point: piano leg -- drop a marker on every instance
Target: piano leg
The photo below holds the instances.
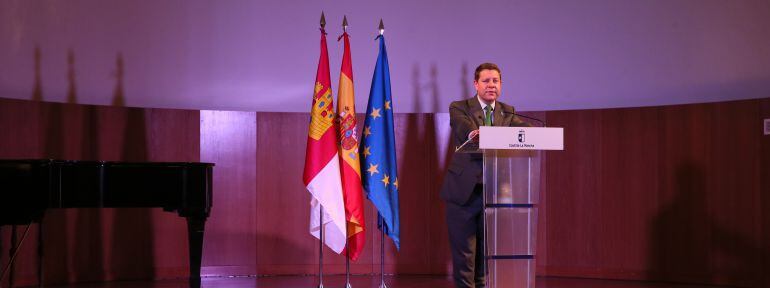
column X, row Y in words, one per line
column 40, row 254
column 11, row 254
column 195, row 226
column 1, row 257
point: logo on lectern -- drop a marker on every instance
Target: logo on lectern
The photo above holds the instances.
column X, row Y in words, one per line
column 521, row 136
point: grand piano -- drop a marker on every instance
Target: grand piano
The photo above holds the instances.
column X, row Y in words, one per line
column 30, row 187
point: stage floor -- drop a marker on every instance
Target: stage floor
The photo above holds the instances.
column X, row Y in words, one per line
column 338, row 281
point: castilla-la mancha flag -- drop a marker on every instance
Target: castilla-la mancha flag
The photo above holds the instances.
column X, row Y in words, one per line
column 349, row 163
column 322, row 164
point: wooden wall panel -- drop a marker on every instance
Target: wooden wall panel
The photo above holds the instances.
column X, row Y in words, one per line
column 736, row 247
column 664, row 193
column 284, row 245
column 678, row 231
column 674, row 193
column 765, row 195
column 628, row 162
column 575, row 221
column 420, row 217
column 20, row 129
column 228, row 139
column 439, row 132
column 707, row 188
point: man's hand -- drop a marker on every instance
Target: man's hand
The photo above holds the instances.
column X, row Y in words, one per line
column 474, row 134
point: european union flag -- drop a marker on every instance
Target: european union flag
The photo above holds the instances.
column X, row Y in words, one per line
column 378, row 151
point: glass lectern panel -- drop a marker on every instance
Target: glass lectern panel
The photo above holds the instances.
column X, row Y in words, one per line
column 511, row 189
column 511, row 273
column 511, row 231
column 512, row 176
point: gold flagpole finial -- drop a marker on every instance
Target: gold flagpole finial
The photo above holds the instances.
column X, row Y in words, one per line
column 323, row 20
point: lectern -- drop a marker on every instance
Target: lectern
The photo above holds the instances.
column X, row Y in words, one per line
column 511, row 192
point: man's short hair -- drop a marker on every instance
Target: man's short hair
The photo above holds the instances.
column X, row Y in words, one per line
column 486, row 66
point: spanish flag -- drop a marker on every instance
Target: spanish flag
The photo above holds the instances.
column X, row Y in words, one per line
column 322, row 164
column 349, row 162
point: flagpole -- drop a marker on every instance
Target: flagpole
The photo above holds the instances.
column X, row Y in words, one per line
column 382, row 251
column 347, row 239
column 321, row 252
column 381, row 29
column 347, row 266
column 347, row 249
column 321, row 218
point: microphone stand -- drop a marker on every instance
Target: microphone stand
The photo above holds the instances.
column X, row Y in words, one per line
column 466, row 142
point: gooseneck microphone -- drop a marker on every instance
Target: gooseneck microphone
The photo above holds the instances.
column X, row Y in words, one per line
column 542, row 123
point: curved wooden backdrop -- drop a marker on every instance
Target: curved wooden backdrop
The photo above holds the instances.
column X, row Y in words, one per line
column 675, row 193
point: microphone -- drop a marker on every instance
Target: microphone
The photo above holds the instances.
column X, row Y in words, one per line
column 531, row 118
column 542, row 123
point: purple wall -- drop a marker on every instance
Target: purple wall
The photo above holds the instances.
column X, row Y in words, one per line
column 262, row 55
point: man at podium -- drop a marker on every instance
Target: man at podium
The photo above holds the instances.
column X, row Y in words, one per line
column 462, row 188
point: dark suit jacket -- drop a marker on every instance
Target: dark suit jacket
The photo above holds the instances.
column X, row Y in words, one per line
column 465, row 170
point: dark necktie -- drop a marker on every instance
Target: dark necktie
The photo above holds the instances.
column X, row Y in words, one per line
column 488, row 115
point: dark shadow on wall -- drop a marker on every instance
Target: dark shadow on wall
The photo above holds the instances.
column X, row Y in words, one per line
column 69, row 136
column 56, row 253
column 465, row 92
column 689, row 246
column 88, row 252
column 411, row 172
column 441, row 257
column 72, row 90
column 421, row 161
column 679, row 237
column 132, row 246
column 742, row 258
column 466, row 77
column 118, row 97
column 440, row 161
column 37, row 86
column 73, row 249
